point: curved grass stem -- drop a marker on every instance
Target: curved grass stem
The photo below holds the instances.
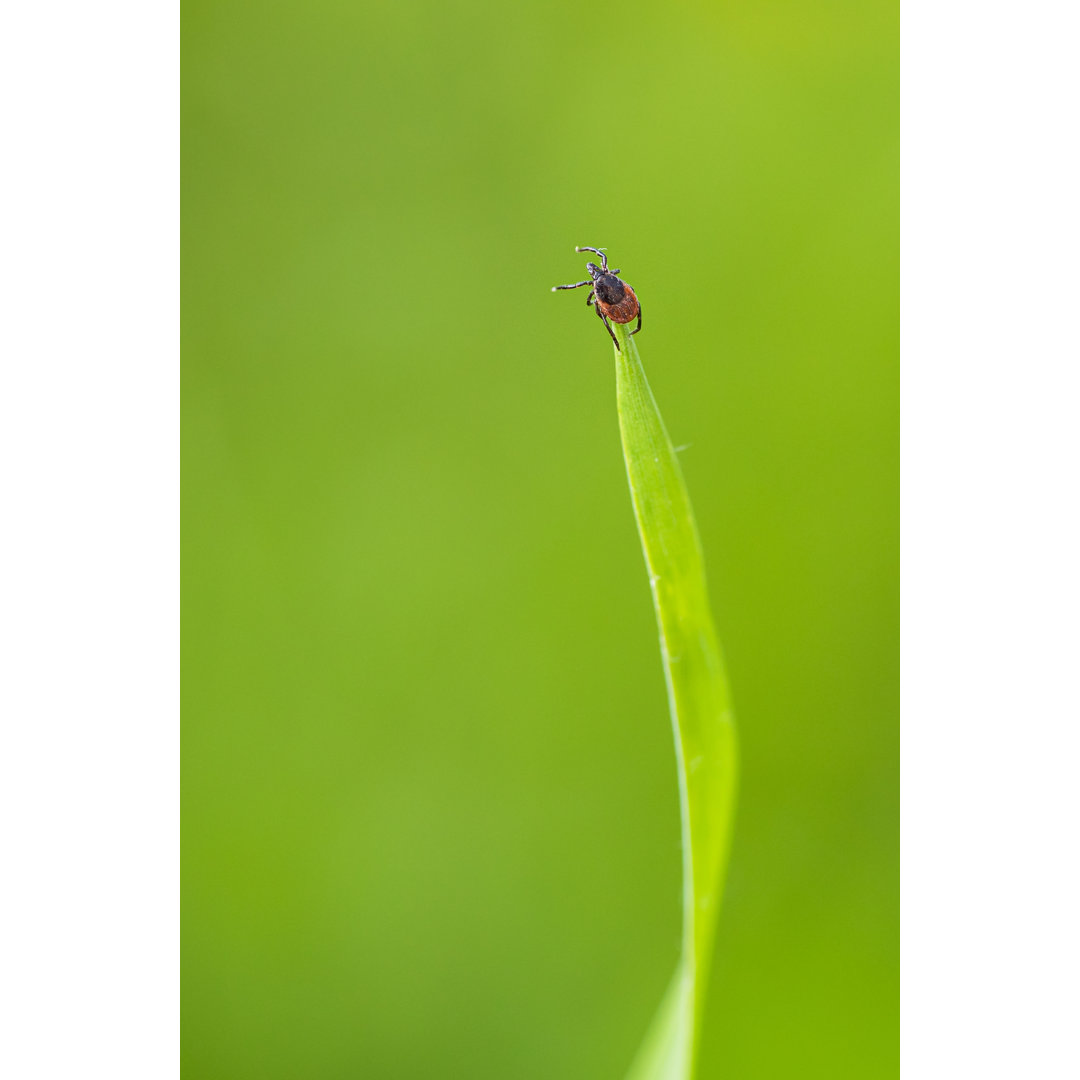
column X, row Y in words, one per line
column 700, row 705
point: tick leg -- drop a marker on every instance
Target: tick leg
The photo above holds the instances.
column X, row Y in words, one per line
column 638, row 330
column 607, row 326
column 589, row 298
column 599, row 251
column 556, row 288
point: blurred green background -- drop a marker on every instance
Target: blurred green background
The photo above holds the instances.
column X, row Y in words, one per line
column 430, row 816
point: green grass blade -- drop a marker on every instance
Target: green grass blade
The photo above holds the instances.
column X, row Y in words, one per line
column 700, row 705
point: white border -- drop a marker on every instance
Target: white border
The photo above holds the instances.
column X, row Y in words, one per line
column 991, row 757
column 89, row 597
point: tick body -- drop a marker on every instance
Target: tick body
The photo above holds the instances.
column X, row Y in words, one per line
column 614, row 300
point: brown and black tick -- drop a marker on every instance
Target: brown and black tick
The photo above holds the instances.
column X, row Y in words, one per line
column 615, row 300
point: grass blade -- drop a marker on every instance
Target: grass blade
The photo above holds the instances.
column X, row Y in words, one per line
column 700, row 704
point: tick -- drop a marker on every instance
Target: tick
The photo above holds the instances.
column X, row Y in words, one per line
column 615, row 300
